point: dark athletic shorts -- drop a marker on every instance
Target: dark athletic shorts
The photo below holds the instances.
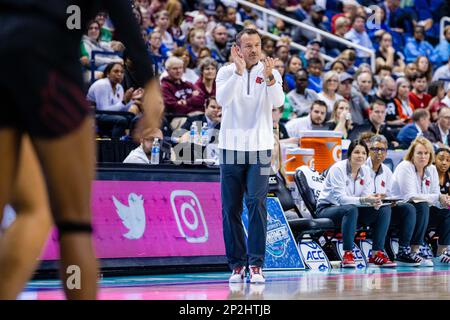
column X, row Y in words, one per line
column 37, row 98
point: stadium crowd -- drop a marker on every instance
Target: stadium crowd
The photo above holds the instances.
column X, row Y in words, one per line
column 406, row 98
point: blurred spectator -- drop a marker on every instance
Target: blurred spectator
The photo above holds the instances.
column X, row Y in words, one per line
column 175, row 10
column 358, row 35
column 203, row 53
column 162, row 23
column 220, row 48
column 404, row 106
column 268, row 46
column 424, row 66
column 410, row 69
column 383, row 71
column 365, row 85
column 341, row 119
column 417, row 45
column 419, row 97
column 332, row 47
column 338, row 66
column 282, row 51
column 302, row 10
column 158, row 54
column 156, row 5
column 105, row 33
column 107, row 94
column 421, row 122
column 312, row 52
column 293, row 65
column 188, row 73
column 387, row 55
column 196, row 40
column 437, row 91
column 315, row 67
column 180, row 97
column 376, row 124
column 386, row 93
column 206, row 84
column 316, row 19
column 212, row 117
column 441, row 53
column 231, row 25
column 348, row 10
column 329, row 93
column 315, row 120
column 200, row 22
column 398, row 19
column 443, row 73
column 301, row 98
column 358, row 105
column 348, row 56
column 438, row 132
column 143, row 153
column 90, row 43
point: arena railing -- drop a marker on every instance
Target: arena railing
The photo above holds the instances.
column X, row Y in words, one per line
column 443, row 22
column 267, row 12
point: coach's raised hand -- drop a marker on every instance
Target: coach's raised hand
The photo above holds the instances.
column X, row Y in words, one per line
column 238, row 60
column 269, row 64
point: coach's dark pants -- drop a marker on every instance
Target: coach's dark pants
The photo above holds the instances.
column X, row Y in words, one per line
column 244, row 173
column 348, row 215
column 431, row 216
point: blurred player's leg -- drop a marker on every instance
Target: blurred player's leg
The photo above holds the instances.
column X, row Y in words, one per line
column 21, row 244
column 69, row 165
column 9, row 149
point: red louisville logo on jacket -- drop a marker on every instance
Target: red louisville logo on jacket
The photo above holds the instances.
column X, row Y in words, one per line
column 259, row 80
column 382, row 183
column 361, row 182
column 427, row 183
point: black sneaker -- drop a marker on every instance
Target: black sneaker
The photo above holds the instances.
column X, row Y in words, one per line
column 408, row 258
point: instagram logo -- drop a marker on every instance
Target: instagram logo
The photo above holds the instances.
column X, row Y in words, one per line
column 189, row 215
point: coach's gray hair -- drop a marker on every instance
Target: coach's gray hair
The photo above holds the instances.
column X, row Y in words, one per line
column 378, row 138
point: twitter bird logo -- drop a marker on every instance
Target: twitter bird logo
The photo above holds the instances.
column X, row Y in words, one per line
column 133, row 215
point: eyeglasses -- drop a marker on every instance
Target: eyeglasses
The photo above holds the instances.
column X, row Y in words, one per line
column 332, row 80
column 376, row 150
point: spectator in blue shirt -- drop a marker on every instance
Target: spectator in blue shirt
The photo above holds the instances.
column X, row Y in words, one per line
column 417, row 46
column 358, row 35
column 419, row 126
column 442, row 51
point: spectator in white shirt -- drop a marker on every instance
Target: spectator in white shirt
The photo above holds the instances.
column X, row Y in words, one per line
column 403, row 214
column 107, row 94
column 143, row 153
column 347, row 198
column 329, row 93
column 416, row 180
column 315, row 120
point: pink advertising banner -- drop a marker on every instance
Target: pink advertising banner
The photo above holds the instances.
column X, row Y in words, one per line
column 134, row 219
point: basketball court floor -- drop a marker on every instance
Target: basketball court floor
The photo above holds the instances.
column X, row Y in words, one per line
column 367, row 284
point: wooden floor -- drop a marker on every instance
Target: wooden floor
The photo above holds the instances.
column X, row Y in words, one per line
column 371, row 283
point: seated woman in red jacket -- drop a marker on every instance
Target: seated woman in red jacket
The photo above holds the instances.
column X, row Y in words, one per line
column 180, row 97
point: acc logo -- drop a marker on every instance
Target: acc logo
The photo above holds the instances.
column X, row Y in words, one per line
column 272, row 180
column 313, row 256
column 277, row 237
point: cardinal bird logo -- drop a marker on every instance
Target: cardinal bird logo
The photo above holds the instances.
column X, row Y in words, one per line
column 259, row 80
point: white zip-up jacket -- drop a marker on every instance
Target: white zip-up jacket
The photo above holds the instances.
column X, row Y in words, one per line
column 381, row 180
column 137, row 156
column 407, row 184
column 247, row 104
column 340, row 188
